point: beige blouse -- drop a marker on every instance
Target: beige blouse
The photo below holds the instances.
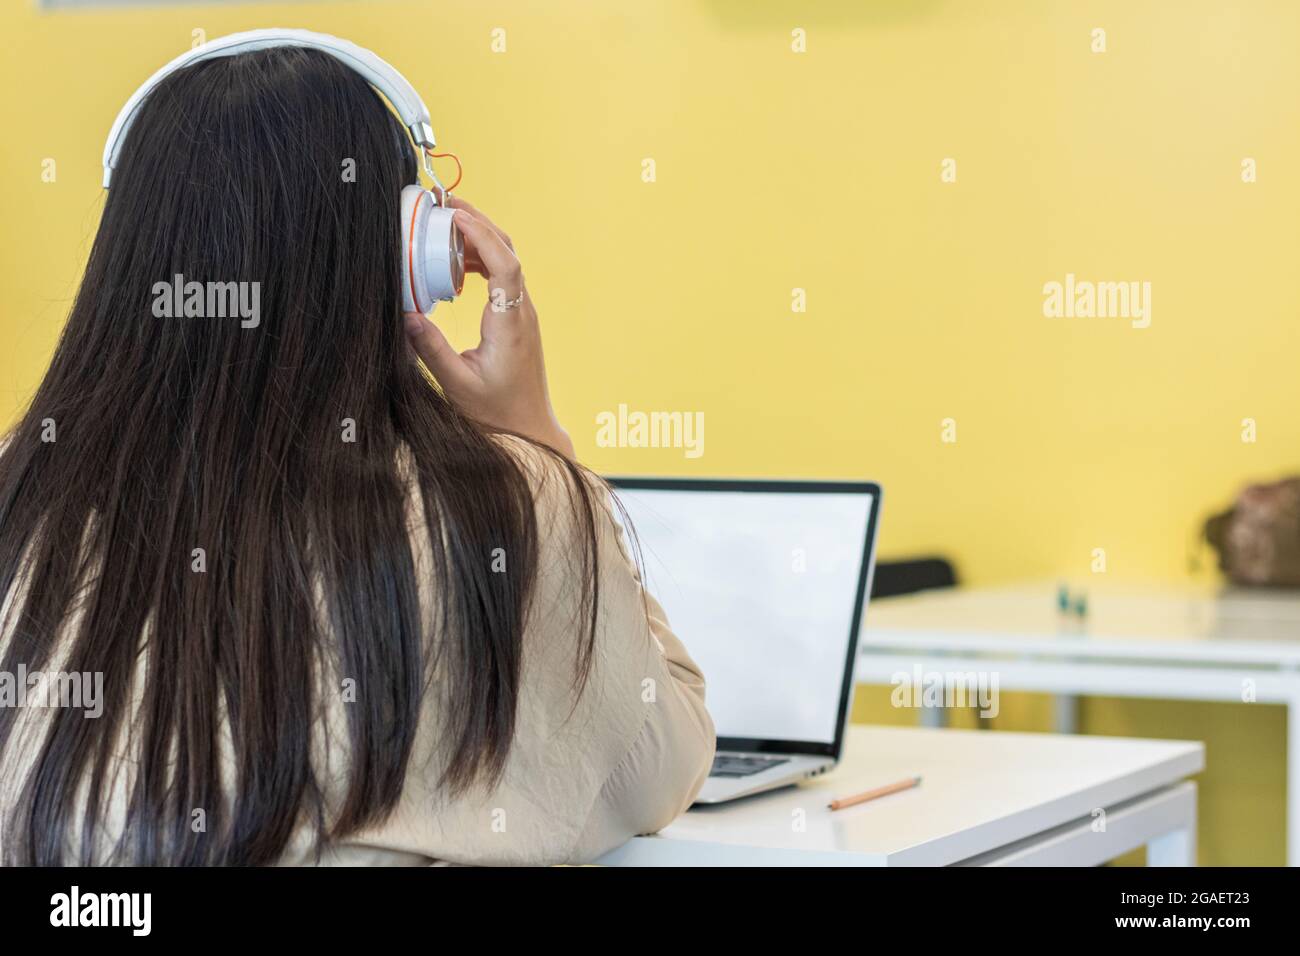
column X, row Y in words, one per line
column 627, row 760
column 580, row 780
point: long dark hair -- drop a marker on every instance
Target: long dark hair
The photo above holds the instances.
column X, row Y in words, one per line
column 213, row 514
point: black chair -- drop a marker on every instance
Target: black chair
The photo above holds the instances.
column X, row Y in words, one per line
column 907, row 577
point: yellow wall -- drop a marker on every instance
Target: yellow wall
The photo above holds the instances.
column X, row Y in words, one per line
column 821, row 170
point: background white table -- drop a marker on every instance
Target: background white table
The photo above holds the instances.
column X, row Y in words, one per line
column 986, row 799
column 1153, row 642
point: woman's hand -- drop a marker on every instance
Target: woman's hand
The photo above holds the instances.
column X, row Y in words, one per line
column 502, row 381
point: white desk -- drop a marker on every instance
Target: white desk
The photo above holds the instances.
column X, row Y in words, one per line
column 987, row 799
column 1169, row 643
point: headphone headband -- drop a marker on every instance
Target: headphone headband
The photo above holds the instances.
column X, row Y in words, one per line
column 376, row 72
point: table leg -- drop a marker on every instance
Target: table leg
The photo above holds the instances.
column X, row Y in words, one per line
column 1293, row 781
column 932, row 717
column 1066, row 713
column 1177, row 848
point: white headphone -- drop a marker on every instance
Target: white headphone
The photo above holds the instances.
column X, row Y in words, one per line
column 433, row 250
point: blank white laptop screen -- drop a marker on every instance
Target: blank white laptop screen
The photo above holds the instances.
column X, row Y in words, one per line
column 760, row 586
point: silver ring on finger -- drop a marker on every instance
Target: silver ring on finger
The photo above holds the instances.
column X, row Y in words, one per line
column 500, row 303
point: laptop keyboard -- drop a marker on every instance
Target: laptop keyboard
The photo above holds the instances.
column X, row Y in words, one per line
column 735, row 765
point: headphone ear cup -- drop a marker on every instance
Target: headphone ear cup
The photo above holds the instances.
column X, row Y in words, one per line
column 433, row 252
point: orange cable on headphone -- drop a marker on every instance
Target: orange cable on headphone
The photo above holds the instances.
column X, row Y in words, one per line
column 410, row 256
column 459, row 170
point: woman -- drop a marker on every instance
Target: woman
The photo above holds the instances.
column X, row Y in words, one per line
column 340, row 614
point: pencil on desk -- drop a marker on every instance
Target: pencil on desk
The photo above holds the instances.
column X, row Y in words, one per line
column 866, row 795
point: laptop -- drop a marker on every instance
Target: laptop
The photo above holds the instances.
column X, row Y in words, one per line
column 766, row 583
